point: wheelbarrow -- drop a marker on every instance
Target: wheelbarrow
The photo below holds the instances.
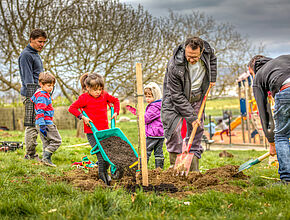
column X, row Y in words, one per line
column 101, row 135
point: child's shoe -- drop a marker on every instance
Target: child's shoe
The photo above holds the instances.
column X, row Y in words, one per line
column 29, row 157
column 46, row 160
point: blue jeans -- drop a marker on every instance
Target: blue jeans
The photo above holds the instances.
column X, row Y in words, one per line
column 282, row 132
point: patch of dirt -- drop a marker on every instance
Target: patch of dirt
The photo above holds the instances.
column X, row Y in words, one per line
column 225, row 154
column 160, row 181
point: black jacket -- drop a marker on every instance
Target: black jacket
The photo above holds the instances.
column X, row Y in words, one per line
column 269, row 76
column 177, row 87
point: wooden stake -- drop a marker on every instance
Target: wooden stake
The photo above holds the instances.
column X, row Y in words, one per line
column 140, row 111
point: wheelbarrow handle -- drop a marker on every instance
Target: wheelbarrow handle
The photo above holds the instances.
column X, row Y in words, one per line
column 91, row 123
column 113, row 123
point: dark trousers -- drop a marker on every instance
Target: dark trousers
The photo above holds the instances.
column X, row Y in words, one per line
column 103, row 165
column 155, row 144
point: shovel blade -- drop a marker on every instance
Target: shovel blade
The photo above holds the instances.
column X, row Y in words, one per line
column 247, row 165
column 183, row 162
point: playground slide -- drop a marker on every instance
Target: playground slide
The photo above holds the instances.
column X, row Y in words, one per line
column 234, row 124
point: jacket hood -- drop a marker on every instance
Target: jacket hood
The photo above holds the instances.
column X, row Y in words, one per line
column 260, row 63
column 156, row 92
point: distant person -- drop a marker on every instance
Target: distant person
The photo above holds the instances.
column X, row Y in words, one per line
column 153, row 125
column 274, row 75
column 190, row 71
column 94, row 102
column 30, row 65
column 50, row 136
column 225, row 129
column 211, row 128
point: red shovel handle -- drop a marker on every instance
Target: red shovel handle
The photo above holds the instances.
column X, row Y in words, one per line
column 199, row 117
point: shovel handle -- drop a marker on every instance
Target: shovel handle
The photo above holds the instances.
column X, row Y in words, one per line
column 264, row 156
column 199, row 117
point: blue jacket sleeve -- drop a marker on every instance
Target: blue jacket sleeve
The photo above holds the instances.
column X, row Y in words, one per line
column 26, row 64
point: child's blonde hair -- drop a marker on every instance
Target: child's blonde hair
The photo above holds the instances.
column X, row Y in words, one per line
column 153, row 89
column 46, row 77
column 92, row 80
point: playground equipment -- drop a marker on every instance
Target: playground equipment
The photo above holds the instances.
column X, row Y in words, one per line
column 101, row 135
column 249, row 110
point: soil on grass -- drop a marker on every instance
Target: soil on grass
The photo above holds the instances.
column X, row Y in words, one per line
column 222, row 179
column 225, row 154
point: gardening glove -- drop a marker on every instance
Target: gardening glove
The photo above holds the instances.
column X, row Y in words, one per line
column 272, row 149
column 43, row 129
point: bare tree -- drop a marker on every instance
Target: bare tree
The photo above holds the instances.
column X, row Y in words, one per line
column 108, row 37
column 231, row 48
column 84, row 36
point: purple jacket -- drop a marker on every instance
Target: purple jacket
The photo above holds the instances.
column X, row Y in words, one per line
column 153, row 124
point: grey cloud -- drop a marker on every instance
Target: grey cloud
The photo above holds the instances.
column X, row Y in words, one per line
column 263, row 21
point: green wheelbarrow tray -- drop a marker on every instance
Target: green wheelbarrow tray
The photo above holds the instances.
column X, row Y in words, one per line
column 101, row 135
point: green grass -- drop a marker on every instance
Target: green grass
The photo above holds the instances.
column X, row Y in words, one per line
column 215, row 107
column 25, row 194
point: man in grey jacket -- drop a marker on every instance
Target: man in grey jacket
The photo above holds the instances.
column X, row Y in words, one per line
column 30, row 65
column 190, row 70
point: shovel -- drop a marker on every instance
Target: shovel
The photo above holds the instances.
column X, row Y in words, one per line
column 183, row 160
column 253, row 162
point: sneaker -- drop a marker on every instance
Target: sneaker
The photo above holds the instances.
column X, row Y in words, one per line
column 34, row 157
column 27, row 157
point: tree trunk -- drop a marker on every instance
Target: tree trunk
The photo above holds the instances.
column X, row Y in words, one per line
column 80, row 130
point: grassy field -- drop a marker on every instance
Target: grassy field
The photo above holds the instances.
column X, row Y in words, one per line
column 25, row 194
column 215, row 107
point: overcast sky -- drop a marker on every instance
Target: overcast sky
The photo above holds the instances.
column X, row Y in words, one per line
column 262, row 21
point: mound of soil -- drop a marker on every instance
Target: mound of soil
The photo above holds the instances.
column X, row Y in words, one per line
column 160, row 181
column 225, row 154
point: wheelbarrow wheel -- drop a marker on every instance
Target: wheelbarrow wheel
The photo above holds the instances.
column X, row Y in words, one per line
column 118, row 174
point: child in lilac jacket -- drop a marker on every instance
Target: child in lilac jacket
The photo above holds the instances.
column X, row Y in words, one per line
column 153, row 125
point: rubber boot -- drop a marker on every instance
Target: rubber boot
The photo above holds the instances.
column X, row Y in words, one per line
column 103, row 176
column 194, row 164
column 159, row 162
column 46, row 160
column 172, row 159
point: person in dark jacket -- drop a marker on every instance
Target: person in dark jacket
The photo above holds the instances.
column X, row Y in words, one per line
column 30, row 66
column 153, row 125
column 273, row 75
column 189, row 73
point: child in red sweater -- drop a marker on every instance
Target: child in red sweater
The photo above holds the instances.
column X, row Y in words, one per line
column 94, row 102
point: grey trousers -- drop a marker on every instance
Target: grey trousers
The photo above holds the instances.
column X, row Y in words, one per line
column 31, row 134
column 175, row 143
column 154, row 144
column 53, row 140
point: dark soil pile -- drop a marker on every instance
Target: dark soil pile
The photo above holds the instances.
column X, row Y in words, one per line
column 119, row 152
column 225, row 154
column 160, row 181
